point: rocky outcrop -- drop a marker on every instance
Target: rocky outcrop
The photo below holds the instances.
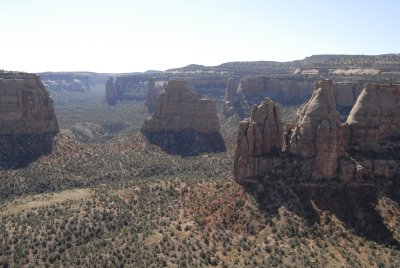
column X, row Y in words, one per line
column 252, row 90
column 111, row 92
column 73, row 82
column 182, row 123
column 281, row 89
column 346, row 94
column 27, row 120
column 375, row 116
column 234, row 103
column 258, row 136
column 319, row 146
column 319, row 134
column 152, row 95
column 131, row 87
column 285, row 90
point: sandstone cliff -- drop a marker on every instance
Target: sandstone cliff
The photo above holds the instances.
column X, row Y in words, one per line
column 182, row 123
column 281, row 89
column 319, row 133
column 375, row 116
column 252, row 90
column 346, row 94
column 152, row 95
column 135, row 87
column 319, row 146
column 258, row 136
column 284, row 90
column 234, row 102
column 27, row 120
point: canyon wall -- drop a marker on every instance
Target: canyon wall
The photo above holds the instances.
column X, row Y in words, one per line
column 27, row 120
column 284, row 90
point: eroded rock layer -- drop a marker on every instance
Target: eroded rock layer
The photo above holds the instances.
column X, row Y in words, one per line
column 258, row 136
column 182, row 123
column 27, row 120
column 319, row 133
column 284, row 90
column 375, row 116
column 319, row 146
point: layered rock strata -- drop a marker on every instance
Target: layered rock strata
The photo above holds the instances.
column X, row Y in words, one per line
column 319, row 135
column 346, row 94
column 258, row 136
column 284, row 90
column 319, row 146
column 182, row 123
column 27, row 119
column 375, row 116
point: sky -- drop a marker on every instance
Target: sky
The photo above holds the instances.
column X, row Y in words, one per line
column 128, row 36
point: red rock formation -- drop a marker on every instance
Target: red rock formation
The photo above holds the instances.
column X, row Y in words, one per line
column 318, row 146
column 319, row 134
column 27, row 120
column 375, row 116
column 259, row 135
column 317, row 117
column 284, row 90
column 280, row 89
column 182, row 123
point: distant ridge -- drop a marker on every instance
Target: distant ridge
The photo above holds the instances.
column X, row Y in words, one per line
column 384, row 62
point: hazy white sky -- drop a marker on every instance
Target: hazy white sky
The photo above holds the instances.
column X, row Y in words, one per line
column 127, row 36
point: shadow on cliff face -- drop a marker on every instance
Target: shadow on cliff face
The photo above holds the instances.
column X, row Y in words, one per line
column 356, row 206
column 20, row 150
column 187, row 142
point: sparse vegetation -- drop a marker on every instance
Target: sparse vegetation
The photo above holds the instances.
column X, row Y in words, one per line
column 126, row 203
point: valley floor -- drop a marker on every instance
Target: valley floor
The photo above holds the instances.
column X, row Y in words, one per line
column 123, row 202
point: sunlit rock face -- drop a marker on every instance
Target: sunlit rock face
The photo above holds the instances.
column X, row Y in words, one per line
column 375, row 116
column 27, row 120
column 182, row 123
column 258, row 136
column 319, row 133
column 241, row 95
column 318, row 147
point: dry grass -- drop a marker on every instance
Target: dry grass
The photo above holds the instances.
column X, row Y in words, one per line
column 40, row 200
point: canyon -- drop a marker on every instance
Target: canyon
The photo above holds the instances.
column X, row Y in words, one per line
column 163, row 170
